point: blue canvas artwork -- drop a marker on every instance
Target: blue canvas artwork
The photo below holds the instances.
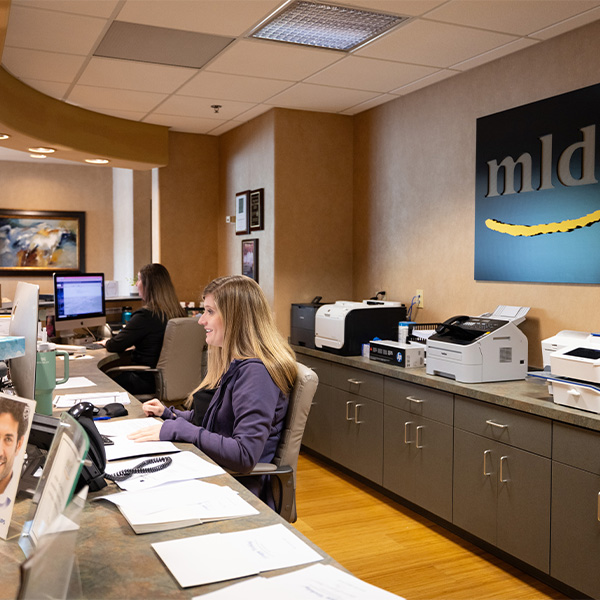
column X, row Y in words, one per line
column 537, row 194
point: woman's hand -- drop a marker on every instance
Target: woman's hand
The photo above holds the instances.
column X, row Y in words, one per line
column 147, row 434
column 153, row 408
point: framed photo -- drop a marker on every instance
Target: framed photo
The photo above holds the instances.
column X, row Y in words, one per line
column 257, row 211
column 41, row 242
column 241, row 213
column 250, row 259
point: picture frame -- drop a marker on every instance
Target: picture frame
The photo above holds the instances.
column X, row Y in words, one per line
column 250, row 258
column 41, row 242
column 241, row 213
column 257, row 211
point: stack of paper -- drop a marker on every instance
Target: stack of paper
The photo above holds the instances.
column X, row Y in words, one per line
column 96, row 398
column 180, row 504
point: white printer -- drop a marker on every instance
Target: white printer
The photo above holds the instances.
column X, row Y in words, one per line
column 343, row 327
column 479, row 349
column 572, row 369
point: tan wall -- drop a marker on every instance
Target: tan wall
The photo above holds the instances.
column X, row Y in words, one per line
column 415, row 190
column 188, row 212
column 63, row 187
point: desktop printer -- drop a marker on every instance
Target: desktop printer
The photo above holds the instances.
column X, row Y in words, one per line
column 343, row 327
column 479, row 349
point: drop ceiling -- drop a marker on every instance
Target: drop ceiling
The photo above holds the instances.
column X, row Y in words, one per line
column 181, row 58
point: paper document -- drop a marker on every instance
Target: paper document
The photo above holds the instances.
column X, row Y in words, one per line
column 185, row 465
column 180, row 504
column 221, row 556
column 96, row 398
column 123, row 447
column 316, row 582
column 75, row 382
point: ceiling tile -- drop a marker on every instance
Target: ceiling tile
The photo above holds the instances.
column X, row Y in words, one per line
column 429, row 80
column 99, row 98
column 233, row 87
column 130, row 75
column 378, row 101
column 50, row 88
column 411, row 8
column 306, row 96
column 434, row 44
column 222, row 17
column 369, row 74
column 520, row 17
column 494, row 54
column 52, row 31
column 258, row 110
column 272, row 60
column 35, row 64
column 189, row 106
column 568, row 24
column 224, row 128
column 104, row 8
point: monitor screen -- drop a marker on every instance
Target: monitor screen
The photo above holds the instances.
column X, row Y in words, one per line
column 79, row 301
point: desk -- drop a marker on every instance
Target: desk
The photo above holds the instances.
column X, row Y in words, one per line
column 114, row 562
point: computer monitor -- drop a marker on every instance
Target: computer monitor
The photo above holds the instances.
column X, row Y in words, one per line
column 78, row 302
column 24, row 322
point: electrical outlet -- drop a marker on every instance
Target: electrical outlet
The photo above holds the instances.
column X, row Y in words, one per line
column 421, row 302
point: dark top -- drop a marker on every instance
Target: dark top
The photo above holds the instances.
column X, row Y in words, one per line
column 145, row 331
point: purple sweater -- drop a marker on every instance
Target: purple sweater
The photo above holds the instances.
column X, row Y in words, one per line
column 242, row 425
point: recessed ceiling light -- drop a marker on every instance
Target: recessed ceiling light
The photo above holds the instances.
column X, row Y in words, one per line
column 42, row 150
column 37, row 155
column 97, row 161
column 326, row 25
column 4, row 136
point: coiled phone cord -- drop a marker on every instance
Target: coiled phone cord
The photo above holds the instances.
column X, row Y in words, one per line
column 161, row 462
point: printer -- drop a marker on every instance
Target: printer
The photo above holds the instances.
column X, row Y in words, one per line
column 572, row 369
column 343, row 327
column 480, row 349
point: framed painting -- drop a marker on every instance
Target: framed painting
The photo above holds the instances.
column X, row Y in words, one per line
column 257, row 211
column 250, row 259
column 41, row 242
column 241, row 212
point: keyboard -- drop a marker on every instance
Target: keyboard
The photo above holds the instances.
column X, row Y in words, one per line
column 94, row 346
column 70, row 349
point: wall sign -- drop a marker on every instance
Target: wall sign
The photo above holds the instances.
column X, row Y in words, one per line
column 537, row 191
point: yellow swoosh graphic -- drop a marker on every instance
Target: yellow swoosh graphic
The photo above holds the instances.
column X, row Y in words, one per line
column 543, row 228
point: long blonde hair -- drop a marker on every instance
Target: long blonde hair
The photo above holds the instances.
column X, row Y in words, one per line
column 249, row 332
column 159, row 293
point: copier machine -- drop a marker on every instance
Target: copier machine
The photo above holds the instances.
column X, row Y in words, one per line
column 479, row 349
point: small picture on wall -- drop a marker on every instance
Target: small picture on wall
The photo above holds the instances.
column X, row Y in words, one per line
column 241, row 212
column 257, row 210
column 250, row 259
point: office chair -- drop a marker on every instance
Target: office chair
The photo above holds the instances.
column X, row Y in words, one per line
column 282, row 471
column 179, row 368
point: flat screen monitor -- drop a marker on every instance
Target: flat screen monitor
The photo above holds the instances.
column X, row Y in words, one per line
column 24, row 322
column 78, row 302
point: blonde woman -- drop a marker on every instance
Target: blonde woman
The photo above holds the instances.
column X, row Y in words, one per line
column 146, row 328
column 253, row 370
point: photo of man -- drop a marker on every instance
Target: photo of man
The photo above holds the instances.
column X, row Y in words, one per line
column 16, row 415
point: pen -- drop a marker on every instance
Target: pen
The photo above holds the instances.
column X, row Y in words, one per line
column 101, row 418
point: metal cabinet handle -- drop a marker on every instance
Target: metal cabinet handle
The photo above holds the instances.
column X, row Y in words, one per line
column 406, row 426
column 355, row 381
column 415, row 400
column 348, row 417
column 356, row 407
column 494, row 424
column 502, row 459
column 485, row 472
column 598, row 511
column 417, row 444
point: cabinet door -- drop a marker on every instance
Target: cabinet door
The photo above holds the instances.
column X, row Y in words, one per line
column 524, row 488
column 475, row 484
column 357, row 435
column 576, row 528
column 399, row 430
column 317, row 433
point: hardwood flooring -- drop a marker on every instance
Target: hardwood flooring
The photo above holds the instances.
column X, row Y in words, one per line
column 394, row 548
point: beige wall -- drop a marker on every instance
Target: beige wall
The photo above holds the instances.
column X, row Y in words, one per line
column 69, row 188
column 415, row 190
column 188, row 188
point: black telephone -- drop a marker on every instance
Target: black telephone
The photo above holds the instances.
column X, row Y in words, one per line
column 451, row 325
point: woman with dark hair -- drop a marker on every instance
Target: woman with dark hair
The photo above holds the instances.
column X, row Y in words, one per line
column 253, row 370
column 146, row 328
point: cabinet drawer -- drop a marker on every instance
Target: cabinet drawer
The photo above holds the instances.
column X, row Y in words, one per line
column 321, row 367
column 576, row 447
column 419, row 400
column 357, row 381
column 504, row 424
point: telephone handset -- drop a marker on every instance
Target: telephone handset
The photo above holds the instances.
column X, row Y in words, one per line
column 451, row 325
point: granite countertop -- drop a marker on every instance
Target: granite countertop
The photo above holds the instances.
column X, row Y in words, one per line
column 528, row 395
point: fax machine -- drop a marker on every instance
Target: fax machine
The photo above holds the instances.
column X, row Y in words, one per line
column 343, row 327
column 479, row 349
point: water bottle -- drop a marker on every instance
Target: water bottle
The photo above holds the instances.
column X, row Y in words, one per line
column 125, row 314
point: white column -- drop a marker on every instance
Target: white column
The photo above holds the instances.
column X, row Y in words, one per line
column 123, row 228
column 155, row 217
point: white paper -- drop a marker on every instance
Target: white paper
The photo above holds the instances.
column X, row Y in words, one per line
column 75, row 382
column 96, row 398
column 185, row 465
column 208, row 559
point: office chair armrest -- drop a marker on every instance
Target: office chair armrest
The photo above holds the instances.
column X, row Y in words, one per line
column 124, row 369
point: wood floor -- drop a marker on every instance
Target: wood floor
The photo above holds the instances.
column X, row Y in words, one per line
column 396, row 549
